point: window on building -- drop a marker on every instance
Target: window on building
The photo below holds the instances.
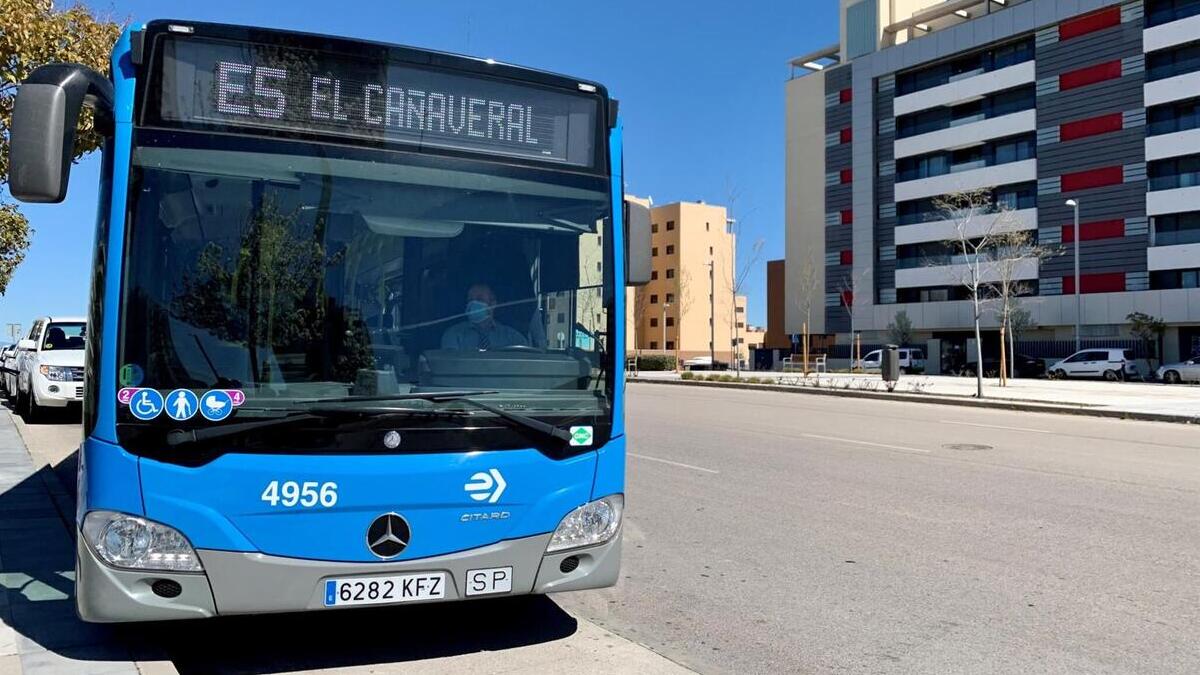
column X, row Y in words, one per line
column 710, row 250
column 670, row 249
column 1171, row 62
column 1169, row 118
column 741, row 325
column 670, row 273
column 598, row 267
column 670, row 344
column 992, row 58
column 670, row 297
column 654, row 228
column 741, row 341
column 706, row 227
column 653, row 275
column 550, row 303
column 654, row 299
column 1176, row 228
column 740, row 310
column 1177, row 172
column 862, row 32
column 654, row 251
column 654, row 344
column 1159, row 12
column 670, row 225
column 670, row 321
column 654, row 322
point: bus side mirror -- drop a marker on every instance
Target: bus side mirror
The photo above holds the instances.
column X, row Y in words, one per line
column 25, row 344
column 637, row 244
column 42, row 137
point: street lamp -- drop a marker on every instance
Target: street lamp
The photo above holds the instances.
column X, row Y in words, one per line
column 1074, row 203
column 664, row 323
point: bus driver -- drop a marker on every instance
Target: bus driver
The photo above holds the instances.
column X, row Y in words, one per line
column 481, row 330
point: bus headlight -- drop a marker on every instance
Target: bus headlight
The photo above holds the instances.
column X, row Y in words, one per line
column 122, row 540
column 593, row 523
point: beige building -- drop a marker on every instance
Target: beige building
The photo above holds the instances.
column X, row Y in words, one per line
column 673, row 313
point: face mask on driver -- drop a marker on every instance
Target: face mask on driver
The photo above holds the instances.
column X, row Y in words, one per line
column 477, row 311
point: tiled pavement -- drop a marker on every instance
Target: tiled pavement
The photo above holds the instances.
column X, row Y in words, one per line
column 39, row 632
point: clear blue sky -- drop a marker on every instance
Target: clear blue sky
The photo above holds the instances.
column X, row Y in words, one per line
column 700, row 84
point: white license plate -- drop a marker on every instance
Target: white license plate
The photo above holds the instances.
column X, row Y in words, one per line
column 490, row 580
column 385, row 589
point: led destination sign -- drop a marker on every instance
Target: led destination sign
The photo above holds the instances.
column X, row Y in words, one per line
column 243, row 86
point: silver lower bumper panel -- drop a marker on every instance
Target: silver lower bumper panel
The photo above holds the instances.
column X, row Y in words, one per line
column 252, row 583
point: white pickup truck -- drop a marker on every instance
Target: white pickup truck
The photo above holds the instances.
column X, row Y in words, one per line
column 49, row 365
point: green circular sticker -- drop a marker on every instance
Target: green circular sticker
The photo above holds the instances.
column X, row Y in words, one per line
column 131, row 375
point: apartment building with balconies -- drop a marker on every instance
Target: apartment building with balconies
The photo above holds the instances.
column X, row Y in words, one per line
column 1038, row 102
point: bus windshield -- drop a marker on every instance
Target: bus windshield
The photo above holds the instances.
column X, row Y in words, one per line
column 346, row 274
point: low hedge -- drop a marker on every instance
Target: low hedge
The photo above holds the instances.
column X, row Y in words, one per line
column 656, row 362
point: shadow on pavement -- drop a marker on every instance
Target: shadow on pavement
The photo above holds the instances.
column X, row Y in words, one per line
column 37, row 559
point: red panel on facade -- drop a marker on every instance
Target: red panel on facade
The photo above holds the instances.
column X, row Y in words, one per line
column 1090, row 23
column 1104, row 229
column 1092, row 178
column 1108, row 282
column 1092, row 74
column 845, row 96
column 1091, row 127
column 847, row 257
column 847, row 216
column 847, row 175
column 847, row 298
column 846, row 135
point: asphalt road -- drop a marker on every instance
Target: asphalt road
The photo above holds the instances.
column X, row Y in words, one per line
column 799, row 533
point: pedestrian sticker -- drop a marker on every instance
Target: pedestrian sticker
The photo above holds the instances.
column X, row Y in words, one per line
column 131, row 375
column 236, row 396
column 216, row 405
column 125, row 395
column 581, row 436
column 181, row 404
column 146, row 404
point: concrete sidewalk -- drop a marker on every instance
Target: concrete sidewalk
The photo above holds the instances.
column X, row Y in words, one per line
column 1175, row 403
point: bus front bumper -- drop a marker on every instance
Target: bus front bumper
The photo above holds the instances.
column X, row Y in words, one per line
column 253, row 583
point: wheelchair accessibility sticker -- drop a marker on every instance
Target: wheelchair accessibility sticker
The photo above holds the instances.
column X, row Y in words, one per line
column 145, row 404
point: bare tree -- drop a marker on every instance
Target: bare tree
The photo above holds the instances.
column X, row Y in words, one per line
column 980, row 225
column 737, row 276
column 808, row 279
column 683, row 303
column 848, row 289
column 1015, row 255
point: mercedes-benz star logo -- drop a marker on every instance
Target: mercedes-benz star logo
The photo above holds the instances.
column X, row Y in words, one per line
column 388, row 535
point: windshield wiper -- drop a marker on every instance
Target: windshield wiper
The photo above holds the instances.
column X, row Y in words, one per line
column 465, row 397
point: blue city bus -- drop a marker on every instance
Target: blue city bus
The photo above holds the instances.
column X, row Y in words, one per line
column 356, row 324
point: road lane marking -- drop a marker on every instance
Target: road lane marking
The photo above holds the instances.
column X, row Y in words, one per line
column 667, row 461
column 997, row 426
column 868, row 443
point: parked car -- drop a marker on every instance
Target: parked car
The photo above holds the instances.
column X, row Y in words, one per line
column 1026, row 367
column 49, row 365
column 704, row 363
column 912, row 360
column 1110, row 364
column 7, row 380
column 1184, row 371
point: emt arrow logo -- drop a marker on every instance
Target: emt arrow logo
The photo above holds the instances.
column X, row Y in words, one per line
column 486, row 485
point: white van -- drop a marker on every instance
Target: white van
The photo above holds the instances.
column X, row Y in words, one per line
column 1110, row 364
column 49, row 365
column 912, row 360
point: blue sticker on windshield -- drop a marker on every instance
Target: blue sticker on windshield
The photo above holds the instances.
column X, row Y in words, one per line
column 146, row 404
column 216, row 405
column 181, row 404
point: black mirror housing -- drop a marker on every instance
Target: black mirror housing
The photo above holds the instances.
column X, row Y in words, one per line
column 637, row 244
column 42, row 138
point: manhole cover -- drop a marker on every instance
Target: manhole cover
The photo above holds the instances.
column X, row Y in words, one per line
column 966, row 446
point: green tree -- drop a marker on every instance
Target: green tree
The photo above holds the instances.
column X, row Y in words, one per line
column 1149, row 330
column 32, row 34
column 900, row 329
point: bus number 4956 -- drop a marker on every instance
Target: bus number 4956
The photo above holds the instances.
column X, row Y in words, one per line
column 307, row 494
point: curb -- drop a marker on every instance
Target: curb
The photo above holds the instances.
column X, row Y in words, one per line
column 933, row 399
